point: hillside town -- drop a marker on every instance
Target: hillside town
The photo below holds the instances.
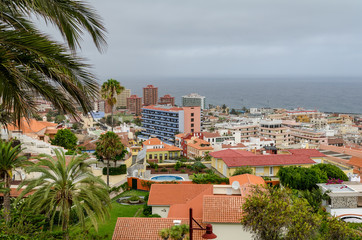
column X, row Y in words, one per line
column 211, row 156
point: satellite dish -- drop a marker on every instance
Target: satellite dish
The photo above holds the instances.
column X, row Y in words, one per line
column 235, row 185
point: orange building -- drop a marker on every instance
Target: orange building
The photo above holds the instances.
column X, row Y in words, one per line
column 150, row 95
column 134, row 104
column 167, row 100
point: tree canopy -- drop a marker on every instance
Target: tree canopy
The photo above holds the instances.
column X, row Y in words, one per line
column 301, row 178
column 65, row 138
column 332, row 171
column 243, row 170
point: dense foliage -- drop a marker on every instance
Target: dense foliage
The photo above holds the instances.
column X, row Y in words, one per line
column 301, row 178
column 275, row 213
column 63, row 186
column 65, row 138
column 332, row 171
column 243, row 170
column 208, row 178
column 122, row 169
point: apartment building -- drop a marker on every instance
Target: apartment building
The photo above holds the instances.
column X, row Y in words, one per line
column 193, row 100
column 164, row 121
column 245, row 132
column 310, row 135
column 134, row 104
column 167, row 100
column 122, row 98
column 274, row 130
column 197, row 147
column 150, row 95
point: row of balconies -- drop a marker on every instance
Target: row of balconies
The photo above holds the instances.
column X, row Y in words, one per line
column 156, row 113
column 160, row 123
column 161, row 119
column 160, row 129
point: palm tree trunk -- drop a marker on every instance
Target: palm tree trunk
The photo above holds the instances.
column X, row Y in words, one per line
column 7, row 198
column 112, row 116
column 65, row 224
column 108, row 173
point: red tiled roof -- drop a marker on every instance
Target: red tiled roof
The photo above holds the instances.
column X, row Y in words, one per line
column 163, row 108
column 231, row 153
column 146, row 228
column 356, row 162
column 222, row 209
column 247, row 179
column 267, row 160
column 211, row 134
column 156, row 141
column 307, row 152
column 168, row 194
column 239, row 145
column 197, row 143
column 182, row 210
column 31, row 126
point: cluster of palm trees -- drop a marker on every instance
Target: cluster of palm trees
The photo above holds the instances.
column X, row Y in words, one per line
column 59, row 187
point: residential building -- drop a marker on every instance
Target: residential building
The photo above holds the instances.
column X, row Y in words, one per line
column 122, row 98
column 245, row 132
column 219, row 205
column 275, row 131
column 156, row 149
column 164, row 121
column 345, row 200
column 227, row 161
column 134, row 104
column 197, row 147
column 150, row 95
column 193, row 100
column 99, row 106
column 310, row 135
column 167, row 100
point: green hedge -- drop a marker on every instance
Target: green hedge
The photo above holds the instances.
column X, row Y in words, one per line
column 115, row 170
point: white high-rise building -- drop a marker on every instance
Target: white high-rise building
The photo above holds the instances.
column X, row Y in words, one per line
column 193, row 100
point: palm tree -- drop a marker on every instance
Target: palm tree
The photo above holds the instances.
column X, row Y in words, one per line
column 109, row 90
column 30, row 63
column 9, row 160
column 108, row 147
column 64, row 186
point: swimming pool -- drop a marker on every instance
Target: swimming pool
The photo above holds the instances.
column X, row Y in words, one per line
column 167, row 178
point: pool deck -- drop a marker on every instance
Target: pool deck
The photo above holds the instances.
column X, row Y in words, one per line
column 184, row 176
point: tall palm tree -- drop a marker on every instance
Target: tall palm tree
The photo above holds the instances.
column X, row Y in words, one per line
column 9, row 160
column 30, row 63
column 109, row 91
column 63, row 186
column 109, row 146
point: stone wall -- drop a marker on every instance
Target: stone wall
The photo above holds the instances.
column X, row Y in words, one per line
column 344, row 202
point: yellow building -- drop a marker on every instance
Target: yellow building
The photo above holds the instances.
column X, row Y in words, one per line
column 227, row 161
column 156, row 149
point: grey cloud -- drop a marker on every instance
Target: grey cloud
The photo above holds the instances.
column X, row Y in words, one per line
column 206, row 37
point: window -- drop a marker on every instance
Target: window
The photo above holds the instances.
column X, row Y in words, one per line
column 271, row 171
column 192, row 125
column 192, row 114
column 192, row 130
column 150, row 156
column 192, row 119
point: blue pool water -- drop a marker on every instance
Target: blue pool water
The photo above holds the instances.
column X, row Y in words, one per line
column 167, row 178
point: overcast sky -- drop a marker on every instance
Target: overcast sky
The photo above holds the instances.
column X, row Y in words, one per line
column 152, row 38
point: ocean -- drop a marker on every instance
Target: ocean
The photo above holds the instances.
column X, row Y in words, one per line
column 327, row 94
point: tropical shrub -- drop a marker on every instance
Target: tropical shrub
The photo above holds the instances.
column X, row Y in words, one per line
column 147, row 210
column 198, row 166
column 205, row 178
column 134, row 198
column 243, row 170
column 301, row 178
column 65, row 138
column 115, row 170
column 332, row 171
column 163, row 169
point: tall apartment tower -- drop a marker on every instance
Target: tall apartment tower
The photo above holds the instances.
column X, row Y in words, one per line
column 150, row 95
column 164, row 122
column 193, row 100
column 167, row 100
column 134, row 104
column 122, row 98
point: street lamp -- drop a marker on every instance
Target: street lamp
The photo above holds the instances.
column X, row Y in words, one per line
column 208, row 235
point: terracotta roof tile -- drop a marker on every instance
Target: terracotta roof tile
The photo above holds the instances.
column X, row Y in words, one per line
column 307, row 152
column 146, row 228
column 31, row 126
column 356, row 162
column 168, row 194
column 231, row 153
column 247, row 179
column 197, row 144
column 163, row 108
column 222, row 209
column 156, row 141
column 211, row 134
